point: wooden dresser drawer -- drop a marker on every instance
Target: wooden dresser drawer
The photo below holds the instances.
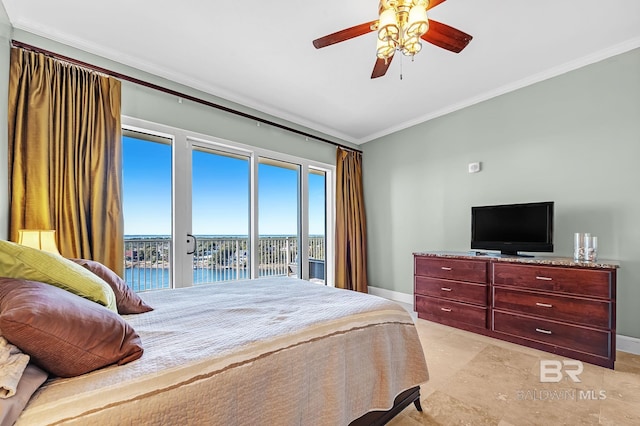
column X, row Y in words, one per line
column 448, row 311
column 590, row 312
column 574, row 337
column 474, row 271
column 455, row 290
column 587, row 282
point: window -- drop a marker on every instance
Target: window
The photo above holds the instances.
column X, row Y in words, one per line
column 199, row 209
column 317, row 224
column 146, row 168
column 278, row 218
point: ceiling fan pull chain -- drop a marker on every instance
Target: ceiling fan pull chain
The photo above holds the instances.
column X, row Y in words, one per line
column 401, row 62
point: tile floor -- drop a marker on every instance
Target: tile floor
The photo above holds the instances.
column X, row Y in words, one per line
column 478, row 380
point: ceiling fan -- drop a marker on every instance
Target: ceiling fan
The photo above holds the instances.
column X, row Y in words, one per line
column 400, row 27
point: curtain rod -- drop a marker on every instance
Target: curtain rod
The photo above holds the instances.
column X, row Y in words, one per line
column 125, row 77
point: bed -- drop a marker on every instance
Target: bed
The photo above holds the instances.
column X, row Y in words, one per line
column 275, row 351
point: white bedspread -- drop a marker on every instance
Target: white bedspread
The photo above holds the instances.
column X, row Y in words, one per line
column 268, row 351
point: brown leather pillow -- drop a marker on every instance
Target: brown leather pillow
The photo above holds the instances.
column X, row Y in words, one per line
column 127, row 300
column 62, row 332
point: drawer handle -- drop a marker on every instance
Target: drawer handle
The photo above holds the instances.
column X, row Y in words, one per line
column 445, row 289
column 445, row 309
column 444, row 268
column 544, row 278
column 543, row 331
column 544, row 305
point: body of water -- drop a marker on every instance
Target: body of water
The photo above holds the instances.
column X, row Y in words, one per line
column 140, row 279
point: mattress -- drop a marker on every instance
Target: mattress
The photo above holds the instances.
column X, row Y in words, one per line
column 274, row 350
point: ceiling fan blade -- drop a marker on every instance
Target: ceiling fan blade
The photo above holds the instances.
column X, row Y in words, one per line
column 380, row 68
column 343, row 35
column 447, row 37
column 434, row 3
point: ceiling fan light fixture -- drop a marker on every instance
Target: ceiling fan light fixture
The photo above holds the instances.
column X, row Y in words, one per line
column 401, row 24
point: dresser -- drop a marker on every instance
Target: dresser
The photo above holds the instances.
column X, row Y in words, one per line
column 552, row 304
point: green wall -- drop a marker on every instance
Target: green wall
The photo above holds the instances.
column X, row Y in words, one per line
column 148, row 104
column 573, row 139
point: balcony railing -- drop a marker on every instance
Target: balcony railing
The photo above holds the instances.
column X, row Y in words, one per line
column 217, row 259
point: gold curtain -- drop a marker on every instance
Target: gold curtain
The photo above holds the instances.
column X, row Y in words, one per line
column 65, row 155
column 351, row 226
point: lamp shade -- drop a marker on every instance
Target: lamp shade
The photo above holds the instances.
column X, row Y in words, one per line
column 39, row 239
column 411, row 46
column 418, row 22
column 388, row 26
column 385, row 49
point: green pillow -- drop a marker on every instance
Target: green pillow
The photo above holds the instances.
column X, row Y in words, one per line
column 18, row 261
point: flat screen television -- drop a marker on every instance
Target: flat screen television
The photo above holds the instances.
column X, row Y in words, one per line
column 511, row 228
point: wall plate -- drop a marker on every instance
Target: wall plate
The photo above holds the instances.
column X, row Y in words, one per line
column 474, row 167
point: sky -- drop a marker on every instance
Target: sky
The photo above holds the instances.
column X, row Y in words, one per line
column 220, row 194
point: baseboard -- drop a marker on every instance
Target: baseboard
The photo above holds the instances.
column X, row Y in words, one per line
column 628, row 344
column 391, row 295
column 623, row 343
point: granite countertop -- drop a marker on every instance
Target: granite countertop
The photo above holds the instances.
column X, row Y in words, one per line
column 536, row 260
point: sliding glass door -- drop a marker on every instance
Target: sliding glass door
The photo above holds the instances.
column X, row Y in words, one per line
column 220, row 215
column 201, row 210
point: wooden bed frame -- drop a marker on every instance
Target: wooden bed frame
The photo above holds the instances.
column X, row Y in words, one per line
column 402, row 401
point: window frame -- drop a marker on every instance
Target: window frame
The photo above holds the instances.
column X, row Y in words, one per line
column 184, row 141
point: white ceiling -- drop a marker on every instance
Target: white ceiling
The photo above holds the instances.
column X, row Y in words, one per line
column 259, row 53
